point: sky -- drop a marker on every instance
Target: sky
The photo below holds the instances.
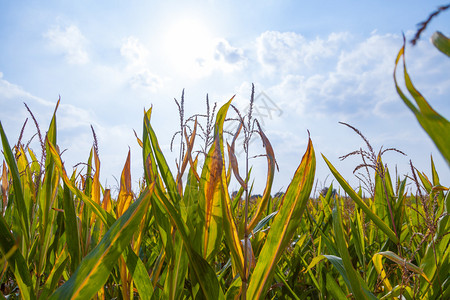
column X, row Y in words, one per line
column 313, row 64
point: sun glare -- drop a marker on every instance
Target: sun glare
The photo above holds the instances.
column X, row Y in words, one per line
column 188, row 44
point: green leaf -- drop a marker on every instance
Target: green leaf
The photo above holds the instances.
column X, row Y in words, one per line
column 139, row 274
column 47, row 195
column 441, row 42
column 281, row 277
column 436, row 126
column 333, row 288
column 17, row 185
column 270, row 174
column 166, row 174
column 355, row 197
column 95, row 268
column 359, row 289
column 228, row 226
column 403, row 263
column 178, row 268
column 406, row 292
column 16, row 262
column 284, row 225
column 104, row 216
column 71, row 229
column 211, row 181
column 55, row 274
column 203, row 272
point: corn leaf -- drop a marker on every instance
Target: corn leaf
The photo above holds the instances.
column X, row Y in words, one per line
column 211, row 178
column 405, row 291
column 284, row 224
column 441, row 42
column 229, row 227
column 203, row 272
column 106, row 218
column 357, row 199
column 436, row 126
column 166, row 174
column 359, row 289
column 334, row 289
column 71, row 229
column 17, row 185
column 94, row 269
column 233, row 159
column 138, row 272
column 267, row 190
column 174, row 283
column 16, row 262
column 125, row 192
column 378, row 264
column 55, row 274
column 403, row 263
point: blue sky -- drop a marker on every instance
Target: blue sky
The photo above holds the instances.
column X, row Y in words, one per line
column 313, row 64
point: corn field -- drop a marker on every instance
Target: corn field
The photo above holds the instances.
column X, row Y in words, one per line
column 186, row 235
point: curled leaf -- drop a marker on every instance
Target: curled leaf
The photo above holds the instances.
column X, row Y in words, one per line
column 270, row 174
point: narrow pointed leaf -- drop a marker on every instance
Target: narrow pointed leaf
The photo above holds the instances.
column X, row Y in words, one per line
column 138, row 272
column 229, row 226
column 285, row 223
column 16, row 261
column 71, row 229
column 233, row 159
column 267, row 190
column 357, row 199
column 436, row 126
column 203, row 272
column 94, row 270
column 106, row 218
column 212, row 177
column 359, row 289
column 166, row 174
column 403, row 263
column 125, row 193
column 441, row 42
column 55, row 274
column 17, row 185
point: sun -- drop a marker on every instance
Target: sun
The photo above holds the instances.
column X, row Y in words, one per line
column 188, row 44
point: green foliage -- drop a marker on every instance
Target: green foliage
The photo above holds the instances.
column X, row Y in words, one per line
column 65, row 237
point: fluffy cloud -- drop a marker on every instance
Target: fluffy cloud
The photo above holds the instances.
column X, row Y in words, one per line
column 145, row 79
column 357, row 81
column 134, row 51
column 217, row 55
column 12, row 98
column 138, row 72
column 70, row 42
column 289, row 51
column 227, row 56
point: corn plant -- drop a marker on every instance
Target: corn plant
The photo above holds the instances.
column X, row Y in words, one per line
column 186, row 235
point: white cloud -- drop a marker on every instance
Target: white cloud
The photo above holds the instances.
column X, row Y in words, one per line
column 217, row 55
column 12, row 98
column 70, row 42
column 72, row 117
column 227, row 57
column 134, row 51
column 289, row 51
column 12, row 91
column 147, row 80
column 137, row 68
column 356, row 80
column 328, row 76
